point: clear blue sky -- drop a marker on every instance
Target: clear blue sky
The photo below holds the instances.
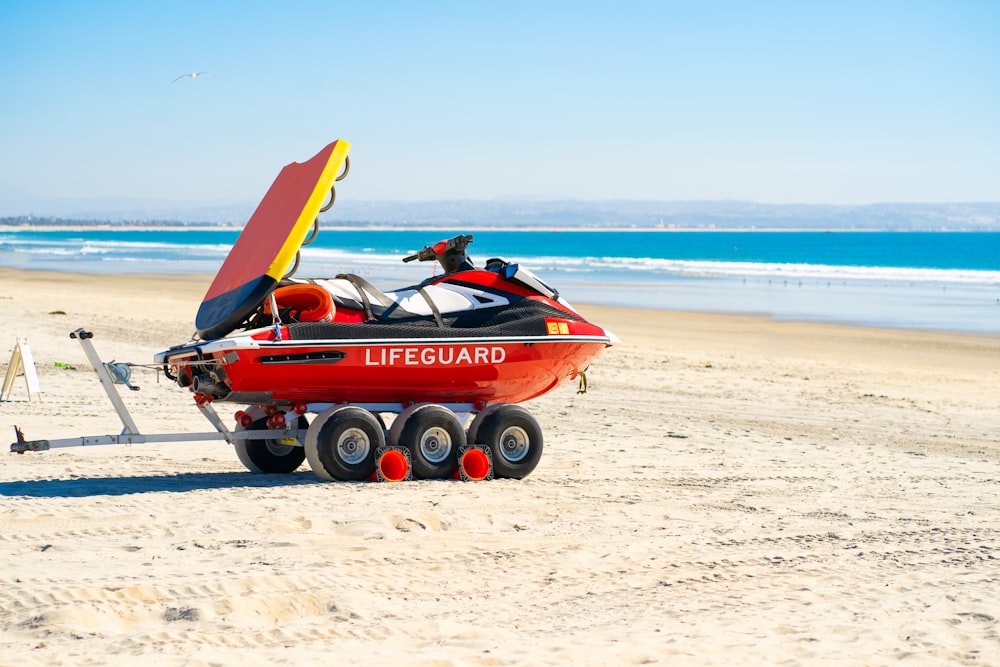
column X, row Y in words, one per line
column 776, row 102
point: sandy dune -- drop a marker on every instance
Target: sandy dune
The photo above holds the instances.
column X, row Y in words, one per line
column 731, row 490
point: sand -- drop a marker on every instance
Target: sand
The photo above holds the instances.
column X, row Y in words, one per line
column 732, row 490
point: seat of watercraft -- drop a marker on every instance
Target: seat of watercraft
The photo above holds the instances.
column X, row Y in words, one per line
column 351, row 291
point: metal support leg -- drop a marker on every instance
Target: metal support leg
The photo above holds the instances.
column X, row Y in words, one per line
column 106, row 382
column 213, row 416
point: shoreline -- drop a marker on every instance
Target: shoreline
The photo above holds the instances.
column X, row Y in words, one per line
column 367, row 227
column 10, row 274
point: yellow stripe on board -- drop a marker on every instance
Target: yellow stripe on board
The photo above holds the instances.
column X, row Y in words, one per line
column 286, row 256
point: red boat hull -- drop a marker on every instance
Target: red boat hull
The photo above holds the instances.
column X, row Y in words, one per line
column 477, row 371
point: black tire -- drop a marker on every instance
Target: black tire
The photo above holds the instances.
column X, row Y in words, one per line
column 270, row 455
column 433, row 435
column 515, row 440
column 343, row 448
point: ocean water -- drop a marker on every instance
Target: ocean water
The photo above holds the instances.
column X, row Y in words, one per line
column 923, row 280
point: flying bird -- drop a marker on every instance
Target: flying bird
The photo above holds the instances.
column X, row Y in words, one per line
column 195, row 75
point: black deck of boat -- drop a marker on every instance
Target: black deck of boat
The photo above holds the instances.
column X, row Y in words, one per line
column 525, row 318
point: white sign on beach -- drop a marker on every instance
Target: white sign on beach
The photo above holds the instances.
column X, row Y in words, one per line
column 21, row 361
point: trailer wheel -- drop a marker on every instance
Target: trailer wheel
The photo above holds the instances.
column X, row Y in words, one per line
column 270, row 455
column 341, row 444
column 514, row 438
column 433, row 435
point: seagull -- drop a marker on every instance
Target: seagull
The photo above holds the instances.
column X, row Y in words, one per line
column 195, row 75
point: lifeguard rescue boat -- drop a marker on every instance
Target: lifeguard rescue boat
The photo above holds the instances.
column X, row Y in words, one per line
column 467, row 345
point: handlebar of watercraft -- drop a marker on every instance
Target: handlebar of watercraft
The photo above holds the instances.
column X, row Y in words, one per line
column 417, row 256
column 431, row 252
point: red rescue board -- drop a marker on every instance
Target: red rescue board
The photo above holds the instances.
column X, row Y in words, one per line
column 266, row 247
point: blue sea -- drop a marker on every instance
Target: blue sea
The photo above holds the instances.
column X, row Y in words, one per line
column 920, row 280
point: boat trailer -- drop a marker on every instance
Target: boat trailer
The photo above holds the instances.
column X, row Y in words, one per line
column 393, row 463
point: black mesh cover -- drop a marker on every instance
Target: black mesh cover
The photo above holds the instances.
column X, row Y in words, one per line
column 524, row 318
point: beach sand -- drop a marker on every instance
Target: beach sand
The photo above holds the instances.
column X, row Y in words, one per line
column 732, row 490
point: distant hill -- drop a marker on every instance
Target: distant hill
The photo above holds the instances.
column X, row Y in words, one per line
column 675, row 215
column 467, row 214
